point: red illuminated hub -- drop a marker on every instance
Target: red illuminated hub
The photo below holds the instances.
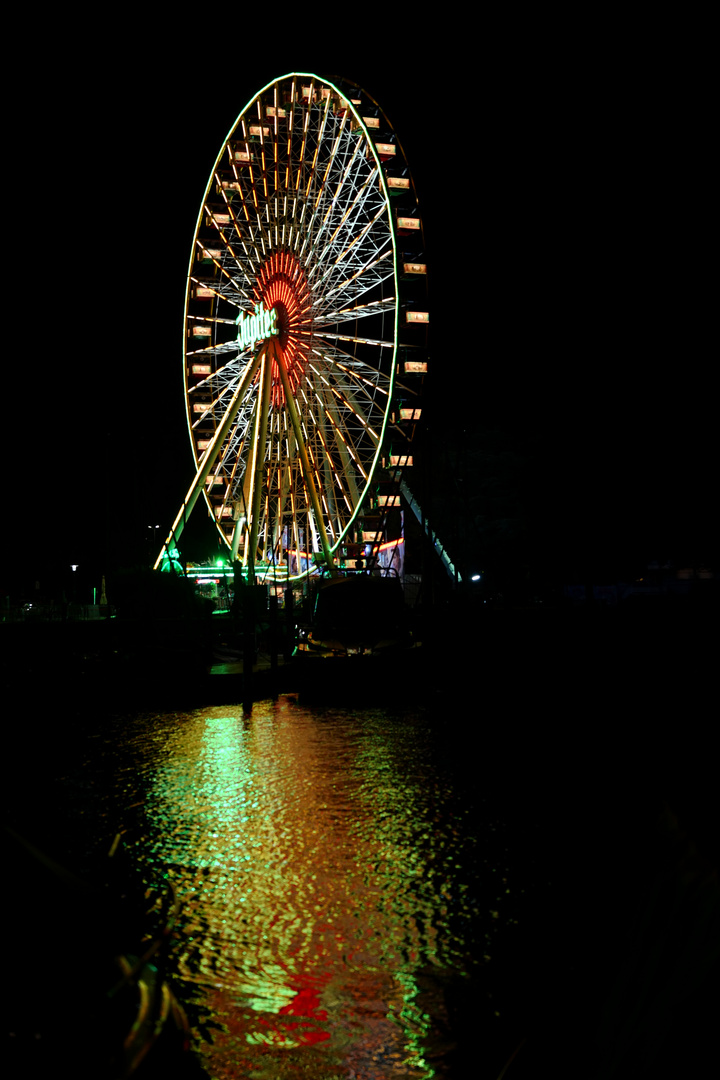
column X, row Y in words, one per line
column 282, row 284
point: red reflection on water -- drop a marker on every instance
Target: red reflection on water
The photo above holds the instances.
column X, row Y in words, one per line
column 306, row 1004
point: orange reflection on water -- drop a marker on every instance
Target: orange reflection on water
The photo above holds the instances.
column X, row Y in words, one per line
column 320, row 872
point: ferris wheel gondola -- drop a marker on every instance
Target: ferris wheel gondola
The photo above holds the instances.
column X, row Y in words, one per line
column 305, row 328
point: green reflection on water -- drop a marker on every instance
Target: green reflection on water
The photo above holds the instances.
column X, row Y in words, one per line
column 319, row 866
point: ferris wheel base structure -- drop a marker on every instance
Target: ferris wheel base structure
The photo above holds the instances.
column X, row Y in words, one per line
column 305, row 332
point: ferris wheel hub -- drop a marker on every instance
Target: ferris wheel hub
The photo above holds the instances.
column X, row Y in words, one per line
column 282, row 284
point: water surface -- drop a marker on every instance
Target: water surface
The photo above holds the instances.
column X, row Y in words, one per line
column 335, row 890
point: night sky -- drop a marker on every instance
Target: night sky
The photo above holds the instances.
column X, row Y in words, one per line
column 564, row 177
column 565, row 201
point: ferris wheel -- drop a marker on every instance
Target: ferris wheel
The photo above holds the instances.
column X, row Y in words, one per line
column 305, row 332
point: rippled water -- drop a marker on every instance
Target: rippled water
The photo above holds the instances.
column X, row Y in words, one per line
column 329, row 881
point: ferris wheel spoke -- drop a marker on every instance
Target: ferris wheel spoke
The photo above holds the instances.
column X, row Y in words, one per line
column 313, row 236
column 206, row 464
column 218, row 224
column 257, row 456
column 263, row 127
column 335, row 206
column 213, row 288
column 288, row 177
column 340, row 140
column 361, row 311
column 227, row 371
column 211, row 406
column 220, row 349
column 236, row 224
column 357, row 207
column 367, row 276
column 253, row 233
column 233, row 451
column 254, row 201
column 209, row 319
column 210, row 253
column 351, row 263
column 208, row 410
column 246, row 262
column 358, row 340
column 308, row 471
column 278, row 479
column 276, row 132
column 341, row 432
column 307, row 114
column 347, row 465
column 346, row 173
column 382, row 211
column 348, row 400
column 344, row 394
column 364, row 377
column 318, row 144
column 338, row 239
column 332, row 486
column 228, row 468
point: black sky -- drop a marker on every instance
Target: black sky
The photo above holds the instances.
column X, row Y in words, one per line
column 565, row 199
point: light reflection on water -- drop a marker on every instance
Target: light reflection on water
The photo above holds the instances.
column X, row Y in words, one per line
column 325, row 874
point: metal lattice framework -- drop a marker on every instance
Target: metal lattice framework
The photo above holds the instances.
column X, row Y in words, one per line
column 290, row 428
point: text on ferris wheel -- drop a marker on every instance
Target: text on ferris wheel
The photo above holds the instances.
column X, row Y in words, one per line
column 257, row 327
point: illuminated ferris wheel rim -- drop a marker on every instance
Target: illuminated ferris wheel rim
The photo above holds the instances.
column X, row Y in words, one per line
column 290, row 285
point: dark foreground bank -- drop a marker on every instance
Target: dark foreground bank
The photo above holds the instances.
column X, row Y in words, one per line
column 590, row 739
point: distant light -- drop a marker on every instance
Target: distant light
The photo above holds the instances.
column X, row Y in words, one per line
column 475, row 577
column 74, row 566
